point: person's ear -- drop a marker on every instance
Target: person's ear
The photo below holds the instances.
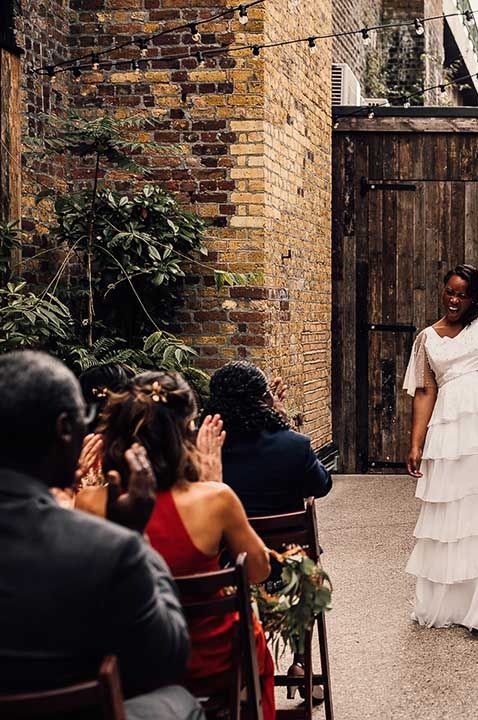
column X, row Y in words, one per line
column 64, row 428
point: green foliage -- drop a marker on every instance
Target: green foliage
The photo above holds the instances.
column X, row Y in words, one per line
column 289, row 613
column 108, row 137
column 133, row 248
column 31, row 321
column 9, row 241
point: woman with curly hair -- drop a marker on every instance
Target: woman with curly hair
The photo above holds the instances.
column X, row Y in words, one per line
column 270, row 467
column 193, row 517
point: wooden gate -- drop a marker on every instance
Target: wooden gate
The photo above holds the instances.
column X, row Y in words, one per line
column 405, row 210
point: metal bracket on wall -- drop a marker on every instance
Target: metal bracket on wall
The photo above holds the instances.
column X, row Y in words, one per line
column 367, row 185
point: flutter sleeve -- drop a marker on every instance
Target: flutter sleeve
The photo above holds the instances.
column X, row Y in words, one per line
column 419, row 373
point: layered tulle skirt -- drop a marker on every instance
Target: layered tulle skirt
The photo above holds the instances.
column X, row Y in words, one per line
column 445, row 557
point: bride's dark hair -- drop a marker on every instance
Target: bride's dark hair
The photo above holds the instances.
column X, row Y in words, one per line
column 470, row 274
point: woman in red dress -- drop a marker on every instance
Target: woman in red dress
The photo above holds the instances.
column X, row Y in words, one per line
column 194, row 518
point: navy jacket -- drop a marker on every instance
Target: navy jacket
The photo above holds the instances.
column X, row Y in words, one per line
column 272, row 472
column 74, row 588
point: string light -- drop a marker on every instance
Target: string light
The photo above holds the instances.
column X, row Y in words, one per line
column 419, row 28
column 200, row 58
column 135, row 66
column 371, row 114
column 442, row 88
column 143, row 46
column 50, row 71
column 77, row 74
column 407, row 104
column 195, row 36
column 95, row 61
column 243, row 18
column 312, row 45
column 467, row 15
column 256, row 51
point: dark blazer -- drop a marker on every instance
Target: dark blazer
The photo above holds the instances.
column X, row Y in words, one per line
column 74, row 588
column 272, row 472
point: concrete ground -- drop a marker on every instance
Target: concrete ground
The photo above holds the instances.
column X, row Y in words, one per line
column 383, row 666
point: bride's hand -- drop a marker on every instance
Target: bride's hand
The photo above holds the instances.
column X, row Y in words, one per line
column 414, row 461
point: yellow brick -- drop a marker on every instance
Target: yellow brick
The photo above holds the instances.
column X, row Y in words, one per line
column 244, row 172
column 207, row 76
column 247, row 149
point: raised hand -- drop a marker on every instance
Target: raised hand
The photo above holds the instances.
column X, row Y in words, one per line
column 90, row 456
column 209, row 442
column 279, row 391
column 133, row 508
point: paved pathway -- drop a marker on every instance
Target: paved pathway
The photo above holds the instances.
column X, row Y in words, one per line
column 384, row 666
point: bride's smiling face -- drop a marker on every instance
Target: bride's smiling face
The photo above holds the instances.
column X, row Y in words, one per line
column 455, row 298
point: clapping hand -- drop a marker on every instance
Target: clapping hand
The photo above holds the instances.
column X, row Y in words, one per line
column 133, row 508
column 209, row 442
column 90, row 456
column 279, row 391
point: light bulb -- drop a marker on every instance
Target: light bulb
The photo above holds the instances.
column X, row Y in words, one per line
column 419, row 29
column 195, row 36
column 200, row 58
column 312, row 45
column 51, row 73
column 371, row 115
column 442, row 88
column 143, row 47
column 256, row 51
column 365, row 36
column 77, row 74
column 95, row 62
column 406, row 104
column 469, row 17
column 336, row 124
column 243, row 15
column 135, row 66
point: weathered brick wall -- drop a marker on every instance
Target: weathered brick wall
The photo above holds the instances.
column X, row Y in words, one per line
column 253, row 156
column 364, row 61
column 297, row 195
column 397, row 61
column 43, row 33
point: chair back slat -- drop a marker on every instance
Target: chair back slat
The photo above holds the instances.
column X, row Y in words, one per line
column 205, row 583
column 103, row 693
column 213, row 607
column 297, row 528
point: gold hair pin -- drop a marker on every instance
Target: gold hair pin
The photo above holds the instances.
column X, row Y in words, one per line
column 100, row 392
column 158, row 393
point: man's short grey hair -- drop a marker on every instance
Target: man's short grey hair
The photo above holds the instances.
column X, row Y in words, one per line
column 35, row 388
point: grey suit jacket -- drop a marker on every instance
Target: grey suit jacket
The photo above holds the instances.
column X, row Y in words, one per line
column 74, row 588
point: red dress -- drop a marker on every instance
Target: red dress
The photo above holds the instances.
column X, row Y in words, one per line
column 211, row 638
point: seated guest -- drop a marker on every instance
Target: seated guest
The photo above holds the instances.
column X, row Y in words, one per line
column 95, row 384
column 74, row 588
column 270, row 467
column 192, row 516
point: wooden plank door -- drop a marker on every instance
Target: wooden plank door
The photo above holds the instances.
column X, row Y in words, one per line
column 413, row 238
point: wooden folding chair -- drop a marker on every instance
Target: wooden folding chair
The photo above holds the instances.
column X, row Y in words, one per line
column 201, row 597
column 300, row 528
column 102, row 694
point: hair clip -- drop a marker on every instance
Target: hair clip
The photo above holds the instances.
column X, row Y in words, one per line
column 100, row 392
column 158, row 393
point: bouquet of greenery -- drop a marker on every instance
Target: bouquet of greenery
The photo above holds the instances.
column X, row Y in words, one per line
column 305, row 592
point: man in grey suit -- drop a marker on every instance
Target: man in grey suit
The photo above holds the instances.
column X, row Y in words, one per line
column 73, row 587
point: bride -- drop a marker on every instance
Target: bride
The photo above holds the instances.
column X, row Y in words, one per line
column 442, row 377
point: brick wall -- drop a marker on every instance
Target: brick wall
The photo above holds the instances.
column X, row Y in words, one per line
column 398, row 61
column 297, row 192
column 252, row 139
column 43, row 33
column 364, row 61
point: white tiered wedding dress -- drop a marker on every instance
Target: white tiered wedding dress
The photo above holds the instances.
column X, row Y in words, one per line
column 445, row 557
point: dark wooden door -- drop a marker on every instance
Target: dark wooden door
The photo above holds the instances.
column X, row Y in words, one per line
column 405, row 211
